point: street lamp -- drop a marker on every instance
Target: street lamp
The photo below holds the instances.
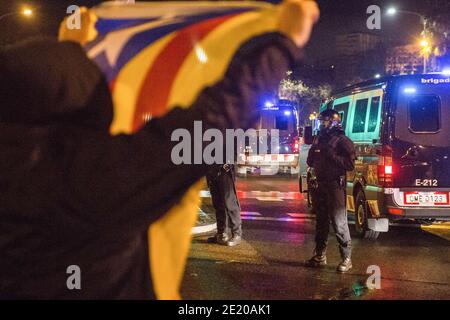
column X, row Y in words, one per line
column 426, row 51
column 423, row 43
column 391, row 11
column 27, row 12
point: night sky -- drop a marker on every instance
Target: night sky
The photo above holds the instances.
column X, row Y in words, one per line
column 338, row 16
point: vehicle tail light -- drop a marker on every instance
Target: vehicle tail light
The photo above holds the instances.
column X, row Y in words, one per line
column 295, row 147
column 388, row 170
column 397, row 212
column 385, row 167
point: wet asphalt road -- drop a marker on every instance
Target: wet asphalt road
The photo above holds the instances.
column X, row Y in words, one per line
column 279, row 236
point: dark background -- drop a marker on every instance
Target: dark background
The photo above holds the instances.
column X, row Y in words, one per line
column 337, row 17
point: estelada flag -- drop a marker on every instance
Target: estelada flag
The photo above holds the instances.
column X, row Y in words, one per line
column 157, row 55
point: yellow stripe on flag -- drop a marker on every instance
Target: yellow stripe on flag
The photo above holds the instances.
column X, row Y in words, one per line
column 169, row 243
column 209, row 60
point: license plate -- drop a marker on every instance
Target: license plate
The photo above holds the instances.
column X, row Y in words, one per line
column 427, row 198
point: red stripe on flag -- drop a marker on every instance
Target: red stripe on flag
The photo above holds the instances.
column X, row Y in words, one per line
column 154, row 94
column 112, row 85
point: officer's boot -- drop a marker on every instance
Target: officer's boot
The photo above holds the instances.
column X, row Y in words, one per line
column 219, row 238
column 235, row 240
column 318, row 260
column 345, row 265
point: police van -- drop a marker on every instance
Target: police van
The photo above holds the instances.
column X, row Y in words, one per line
column 281, row 115
column 400, row 127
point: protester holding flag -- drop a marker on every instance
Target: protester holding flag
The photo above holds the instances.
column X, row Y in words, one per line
column 73, row 198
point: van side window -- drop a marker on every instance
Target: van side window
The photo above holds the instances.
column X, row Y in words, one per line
column 424, row 114
column 373, row 115
column 342, row 109
column 359, row 120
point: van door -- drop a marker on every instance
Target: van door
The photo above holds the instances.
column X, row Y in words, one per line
column 421, row 147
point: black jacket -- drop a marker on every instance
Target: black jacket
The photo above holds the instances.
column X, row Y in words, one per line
column 332, row 154
column 71, row 194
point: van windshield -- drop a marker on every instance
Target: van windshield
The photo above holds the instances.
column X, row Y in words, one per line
column 422, row 116
column 282, row 123
column 281, row 120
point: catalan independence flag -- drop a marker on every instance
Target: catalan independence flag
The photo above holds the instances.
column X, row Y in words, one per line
column 158, row 55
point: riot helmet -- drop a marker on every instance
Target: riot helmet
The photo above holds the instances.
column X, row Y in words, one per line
column 329, row 119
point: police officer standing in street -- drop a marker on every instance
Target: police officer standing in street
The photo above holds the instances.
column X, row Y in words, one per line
column 221, row 182
column 331, row 156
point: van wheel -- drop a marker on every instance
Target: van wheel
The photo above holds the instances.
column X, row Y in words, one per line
column 361, row 214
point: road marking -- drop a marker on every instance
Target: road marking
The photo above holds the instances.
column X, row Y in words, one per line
column 203, row 229
column 294, row 220
column 242, row 253
column 262, row 195
column 301, row 215
column 206, row 228
column 440, row 229
column 250, row 213
column 269, row 195
column 268, row 199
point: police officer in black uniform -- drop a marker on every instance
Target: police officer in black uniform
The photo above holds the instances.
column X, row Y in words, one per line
column 331, row 156
column 221, row 182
